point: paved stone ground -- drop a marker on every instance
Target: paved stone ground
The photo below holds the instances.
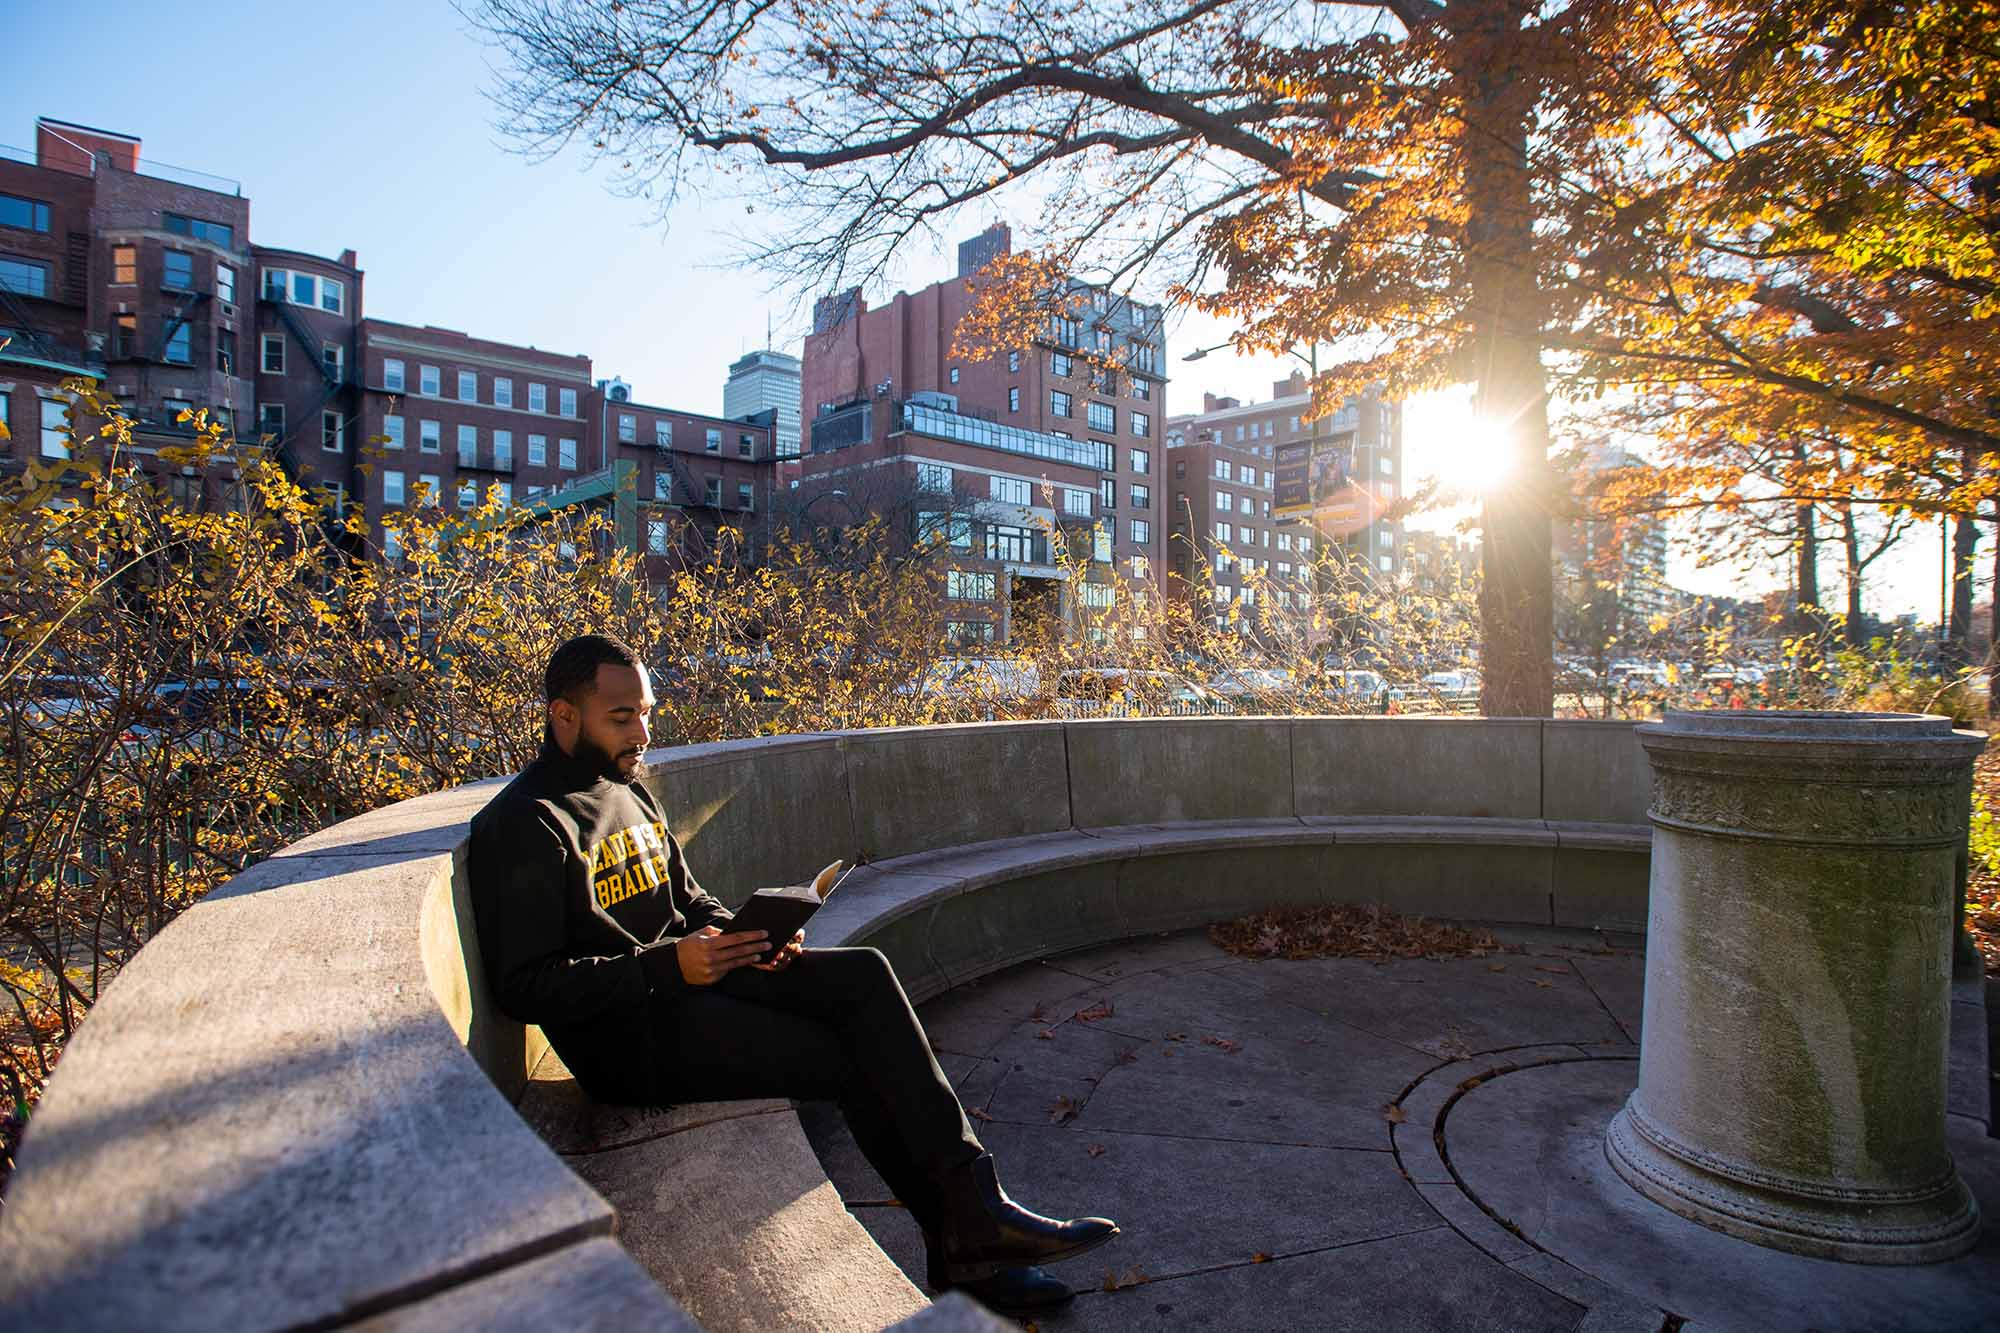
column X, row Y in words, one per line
column 1268, row 1135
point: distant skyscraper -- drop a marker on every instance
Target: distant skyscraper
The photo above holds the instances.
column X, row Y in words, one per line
column 766, row 381
column 983, row 249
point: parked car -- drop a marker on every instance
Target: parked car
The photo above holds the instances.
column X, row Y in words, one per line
column 1365, row 688
column 1453, row 690
column 1239, row 685
column 982, row 677
column 1127, row 692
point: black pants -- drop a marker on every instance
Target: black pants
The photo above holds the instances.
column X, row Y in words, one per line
column 835, row 1025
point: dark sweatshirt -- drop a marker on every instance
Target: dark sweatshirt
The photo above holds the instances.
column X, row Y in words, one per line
column 579, row 892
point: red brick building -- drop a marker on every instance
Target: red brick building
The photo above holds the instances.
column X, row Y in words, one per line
column 994, row 452
column 1227, row 492
column 144, row 278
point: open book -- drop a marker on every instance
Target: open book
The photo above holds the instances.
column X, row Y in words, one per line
column 781, row 912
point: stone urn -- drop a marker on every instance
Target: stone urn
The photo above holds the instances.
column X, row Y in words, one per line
column 1799, row 943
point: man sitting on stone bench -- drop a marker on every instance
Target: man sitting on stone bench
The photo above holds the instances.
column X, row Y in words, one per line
column 592, row 927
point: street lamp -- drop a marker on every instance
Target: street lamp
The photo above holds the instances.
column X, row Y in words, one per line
column 1311, row 362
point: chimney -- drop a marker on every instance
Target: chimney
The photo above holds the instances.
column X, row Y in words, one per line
column 1211, row 403
column 1295, row 383
column 349, row 258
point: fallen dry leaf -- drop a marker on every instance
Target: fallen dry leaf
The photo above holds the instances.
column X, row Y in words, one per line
column 1063, row 1108
column 1545, row 967
column 1227, row 1046
column 977, row 1114
column 1135, row 1277
column 1046, row 1034
column 1496, row 967
column 1543, row 984
column 1177, row 1036
column 1348, row 930
column 1102, row 1009
column 1260, row 1258
column 1394, row 1114
column 1095, row 1150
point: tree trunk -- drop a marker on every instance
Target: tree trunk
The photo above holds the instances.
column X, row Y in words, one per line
column 1805, row 611
column 1964, row 550
column 1850, row 538
column 1993, row 653
column 1517, row 591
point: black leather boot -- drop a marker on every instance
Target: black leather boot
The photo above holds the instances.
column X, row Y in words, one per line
column 1017, row 1290
column 982, row 1231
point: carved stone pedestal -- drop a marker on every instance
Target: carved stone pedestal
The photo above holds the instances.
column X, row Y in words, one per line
column 1798, row 966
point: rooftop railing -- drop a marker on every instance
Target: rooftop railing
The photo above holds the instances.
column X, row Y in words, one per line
column 924, row 419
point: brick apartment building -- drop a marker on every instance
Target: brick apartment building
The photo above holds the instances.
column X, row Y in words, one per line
column 1226, row 487
column 994, row 453
column 143, row 278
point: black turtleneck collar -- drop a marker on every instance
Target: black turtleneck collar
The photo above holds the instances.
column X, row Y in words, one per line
column 569, row 772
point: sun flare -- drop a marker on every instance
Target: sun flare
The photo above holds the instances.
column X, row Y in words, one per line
column 1448, row 439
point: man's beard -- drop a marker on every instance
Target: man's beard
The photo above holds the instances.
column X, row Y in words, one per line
column 601, row 761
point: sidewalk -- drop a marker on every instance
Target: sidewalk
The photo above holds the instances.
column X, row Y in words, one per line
column 1337, row 1144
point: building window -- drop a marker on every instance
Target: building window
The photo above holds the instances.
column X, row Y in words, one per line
column 1269, row 480
column 271, row 420
column 746, row 496
column 1142, row 390
column 1142, row 424
column 566, row 455
column 968, row 633
column 628, row 428
column 1387, row 539
column 663, row 434
column 713, row 441
column 1014, row 400
column 1225, row 502
column 468, row 446
column 1223, row 532
column 332, row 295
column 392, row 431
column 1239, row 432
column 430, row 437
column 1305, row 543
column 1066, row 331
column 1284, row 541
column 225, row 351
column 567, row 399
column 1004, row 541
column 332, row 357
column 1386, row 466
column 1060, row 364
column 332, row 432
column 1222, row 470
column 468, row 494
column 538, row 451
column 503, row 392
column 1142, row 496
column 746, row 446
column 1142, row 461
column 24, row 277
column 1076, row 502
column 433, row 489
column 468, row 386
column 538, row 397
column 1100, row 545
column 656, row 536
column 26, row 214
column 1142, row 568
column 503, row 494
column 1107, row 492
column 954, row 374
column 712, row 491
column 954, row 529
column 1009, row 490
column 55, row 436
column 430, row 381
column 392, row 375
column 179, row 350
column 965, row 586
column 1096, row 595
column 1102, row 417
column 215, row 233
column 503, row 450
column 125, row 265
column 272, row 358
column 1387, row 565
column 1142, row 531
column 225, row 283
column 305, row 289
column 663, row 486
column 934, row 477
column 392, row 488
column 1013, row 361
column 1058, row 403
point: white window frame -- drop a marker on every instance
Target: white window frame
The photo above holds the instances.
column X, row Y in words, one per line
column 468, row 386
column 628, row 428
column 663, row 433
column 538, row 397
column 328, row 417
column 1010, row 490
column 392, row 430
column 430, row 437
column 566, row 455
column 1225, row 502
column 566, row 401
column 430, row 381
column 265, row 342
column 394, row 374
column 503, row 392
column 468, row 445
column 538, row 451
column 392, row 487
column 503, row 449
column 333, row 296
column 53, row 440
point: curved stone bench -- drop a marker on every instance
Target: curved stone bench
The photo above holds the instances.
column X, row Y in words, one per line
column 271, row 1119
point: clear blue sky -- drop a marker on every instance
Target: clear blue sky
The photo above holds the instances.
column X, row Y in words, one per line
column 365, row 125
